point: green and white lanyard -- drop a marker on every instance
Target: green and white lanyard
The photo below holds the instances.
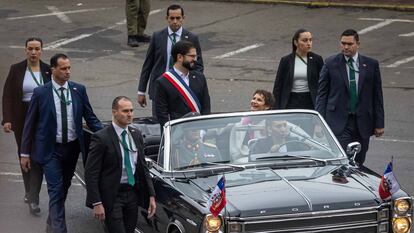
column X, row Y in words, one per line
column 303, row 60
column 351, row 67
column 62, row 99
column 34, row 77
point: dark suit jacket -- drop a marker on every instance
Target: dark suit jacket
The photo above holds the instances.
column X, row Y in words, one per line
column 156, row 59
column 14, row 110
column 284, row 78
column 332, row 101
column 39, row 134
column 169, row 103
column 103, row 169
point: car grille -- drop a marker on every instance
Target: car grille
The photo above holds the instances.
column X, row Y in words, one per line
column 364, row 220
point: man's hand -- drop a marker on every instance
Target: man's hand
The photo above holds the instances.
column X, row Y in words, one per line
column 99, row 212
column 152, row 207
column 142, row 100
column 7, row 127
column 25, row 163
column 378, row 132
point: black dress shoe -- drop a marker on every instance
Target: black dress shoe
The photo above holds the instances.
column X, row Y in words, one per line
column 132, row 41
column 34, row 208
column 143, row 38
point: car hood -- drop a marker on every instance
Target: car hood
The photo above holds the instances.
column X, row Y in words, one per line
column 254, row 192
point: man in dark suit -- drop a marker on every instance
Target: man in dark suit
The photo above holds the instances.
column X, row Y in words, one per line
column 117, row 177
column 158, row 59
column 52, row 135
column 350, row 95
column 181, row 90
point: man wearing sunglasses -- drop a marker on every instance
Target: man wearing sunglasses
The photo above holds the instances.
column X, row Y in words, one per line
column 159, row 59
column 116, row 175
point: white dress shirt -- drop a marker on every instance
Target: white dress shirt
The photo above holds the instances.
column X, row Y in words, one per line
column 132, row 154
column 69, row 109
column 169, row 43
column 356, row 67
column 183, row 76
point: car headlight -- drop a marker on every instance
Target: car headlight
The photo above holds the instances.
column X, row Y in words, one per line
column 213, row 224
column 401, row 206
column 401, row 225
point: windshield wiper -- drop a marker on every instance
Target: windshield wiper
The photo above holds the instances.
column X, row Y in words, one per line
column 208, row 164
column 287, row 156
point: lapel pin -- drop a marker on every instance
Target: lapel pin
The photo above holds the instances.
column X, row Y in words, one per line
column 364, row 65
column 193, row 76
column 310, row 57
column 74, row 89
column 186, row 37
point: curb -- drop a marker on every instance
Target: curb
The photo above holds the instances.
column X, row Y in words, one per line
column 317, row 4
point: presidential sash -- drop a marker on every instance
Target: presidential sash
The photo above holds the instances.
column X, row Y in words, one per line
column 188, row 95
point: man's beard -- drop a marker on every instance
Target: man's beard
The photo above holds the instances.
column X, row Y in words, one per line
column 188, row 65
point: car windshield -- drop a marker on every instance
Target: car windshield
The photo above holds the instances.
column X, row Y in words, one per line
column 247, row 140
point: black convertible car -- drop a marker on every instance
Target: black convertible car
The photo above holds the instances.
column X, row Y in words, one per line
column 284, row 172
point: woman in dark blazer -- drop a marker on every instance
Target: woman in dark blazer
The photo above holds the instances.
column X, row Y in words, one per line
column 297, row 77
column 23, row 77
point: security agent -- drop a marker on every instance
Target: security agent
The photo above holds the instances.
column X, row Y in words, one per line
column 116, row 175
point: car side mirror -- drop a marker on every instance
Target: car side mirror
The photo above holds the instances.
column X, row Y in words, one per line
column 352, row 149
column 149, row 163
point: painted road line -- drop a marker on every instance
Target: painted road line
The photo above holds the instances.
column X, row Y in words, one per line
column 395, row 20
column 61, row 42
column 376, row 26
column 400, row 62
column 63, row 12
column 407, row 34
column 381, row 24
column 62, row 16
column 242, row 50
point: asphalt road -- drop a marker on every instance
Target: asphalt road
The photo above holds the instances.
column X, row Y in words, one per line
column 241, row 43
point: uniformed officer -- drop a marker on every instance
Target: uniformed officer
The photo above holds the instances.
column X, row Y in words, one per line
column 192, row 150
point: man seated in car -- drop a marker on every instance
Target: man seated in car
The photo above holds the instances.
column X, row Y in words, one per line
column 278, row 140
column 192, row 150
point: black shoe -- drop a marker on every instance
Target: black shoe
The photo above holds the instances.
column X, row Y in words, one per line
column 25, row 198
column 143, row 38
column 132, row 41
column 34, row 208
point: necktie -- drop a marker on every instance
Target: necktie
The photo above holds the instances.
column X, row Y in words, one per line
column 173, row 41
column 64, row 115
column 127, row 160
column 352, row 87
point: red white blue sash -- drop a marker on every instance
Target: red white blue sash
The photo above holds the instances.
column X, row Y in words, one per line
column 188, row 95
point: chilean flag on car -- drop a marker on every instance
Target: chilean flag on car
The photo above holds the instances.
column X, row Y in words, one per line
column 389, row 184
column 217, row 200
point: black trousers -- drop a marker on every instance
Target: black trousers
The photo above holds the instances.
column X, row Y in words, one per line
column 124, row 215
column 300, row 100
column 351, row 134
column 32, row 179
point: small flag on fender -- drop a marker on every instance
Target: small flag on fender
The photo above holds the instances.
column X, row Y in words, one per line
column 217, row 200
column 389, row 184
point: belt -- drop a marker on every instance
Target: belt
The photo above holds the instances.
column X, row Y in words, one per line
column 68, row 143
column 125, row 187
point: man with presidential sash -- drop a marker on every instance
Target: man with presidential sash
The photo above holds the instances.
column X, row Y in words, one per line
column 181, row 89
